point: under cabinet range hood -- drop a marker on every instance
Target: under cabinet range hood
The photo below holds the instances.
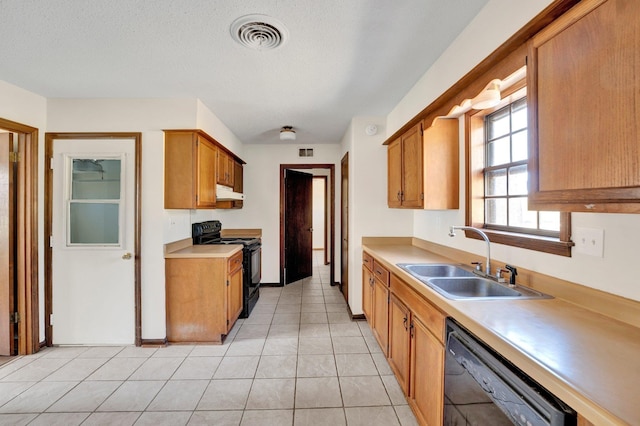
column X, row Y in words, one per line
column 227, row 193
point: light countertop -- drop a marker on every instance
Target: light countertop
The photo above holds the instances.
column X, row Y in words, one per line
column 588, row 360
column 184, row 249
column 253, row 233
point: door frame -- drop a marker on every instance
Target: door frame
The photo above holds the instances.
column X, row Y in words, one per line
column 325, row 183
column 27, row 236
column 332, row 191
column 344, row 223
column 50, row 138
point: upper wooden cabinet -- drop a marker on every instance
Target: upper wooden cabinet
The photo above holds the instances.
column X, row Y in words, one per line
column 423, row 167
column 189, row 171
column 192, row 160
column 584, row 98
column 225, row 170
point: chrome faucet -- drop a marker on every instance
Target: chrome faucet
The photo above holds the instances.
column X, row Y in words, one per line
column 452, row 233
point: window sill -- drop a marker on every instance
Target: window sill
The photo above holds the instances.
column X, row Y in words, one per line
column 530, row 242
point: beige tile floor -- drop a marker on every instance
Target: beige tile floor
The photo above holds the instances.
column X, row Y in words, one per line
column 297, row 360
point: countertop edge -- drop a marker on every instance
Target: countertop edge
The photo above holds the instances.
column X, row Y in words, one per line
column 183, row 249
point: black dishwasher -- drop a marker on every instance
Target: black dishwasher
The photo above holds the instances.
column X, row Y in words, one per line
column 483, row 388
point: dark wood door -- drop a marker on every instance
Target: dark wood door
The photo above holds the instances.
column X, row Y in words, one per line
column 7, row 247
column 298, row 225
column 344, row 226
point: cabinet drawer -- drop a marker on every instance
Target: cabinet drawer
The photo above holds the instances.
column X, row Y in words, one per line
column 380, row 272
column 428, row 314
column 367, row 261
column 235, row 262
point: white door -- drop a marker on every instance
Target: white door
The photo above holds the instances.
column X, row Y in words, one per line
column 93, row 270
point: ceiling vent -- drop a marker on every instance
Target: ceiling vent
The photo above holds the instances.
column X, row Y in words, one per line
column 259, row 32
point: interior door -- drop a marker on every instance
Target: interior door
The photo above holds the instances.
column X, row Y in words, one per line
column 344, row 226
column 298, row 217
column 7, row 247
column 93, row 270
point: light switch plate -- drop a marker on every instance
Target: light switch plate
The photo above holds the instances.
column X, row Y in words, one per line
column 589, row 241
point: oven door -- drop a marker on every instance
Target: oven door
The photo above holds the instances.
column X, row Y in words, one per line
column 255, row 269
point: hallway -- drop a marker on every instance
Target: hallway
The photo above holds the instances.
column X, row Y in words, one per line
column 298, row 360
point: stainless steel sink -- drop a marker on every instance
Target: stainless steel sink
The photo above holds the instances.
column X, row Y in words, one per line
column 428, row 270
column 480, row 288
column 455, row 282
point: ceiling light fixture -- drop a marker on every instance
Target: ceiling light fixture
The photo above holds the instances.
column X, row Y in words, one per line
column 489, row 97
column 287, row 133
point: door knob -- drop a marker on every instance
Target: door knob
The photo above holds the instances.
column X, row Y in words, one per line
column 126, row 256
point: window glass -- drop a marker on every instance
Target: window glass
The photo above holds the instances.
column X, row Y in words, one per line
column 506, row 174
column 94, row 202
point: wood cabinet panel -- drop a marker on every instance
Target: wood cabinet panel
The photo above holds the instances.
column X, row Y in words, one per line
column 193, row 166
column 225, row 169
column 196, row 300
column 426, row 395
column 203, row 297
column 381, row 273
column 394, row 174
column 381, row 314
column 423, row 167
column 234, row 289
column 205, row 172
column 412, row 165
column 367, row 294
column 399, row 341
column 584, row 78
column 441, row 161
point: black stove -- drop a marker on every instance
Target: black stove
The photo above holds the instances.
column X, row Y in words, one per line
column 209, row 233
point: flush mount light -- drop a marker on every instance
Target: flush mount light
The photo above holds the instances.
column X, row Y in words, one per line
column 259, row 32
column 489, row 97
column 287, row 133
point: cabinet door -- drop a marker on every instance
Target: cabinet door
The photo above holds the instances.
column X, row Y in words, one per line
column 394, row 173
column 412, row 165
column 223, row 165
column 399, row 342
column 206, row 172
column 234, row 290
column 441, row 161
column 582, row 77
column 367, row 294
column 381, row 314
column 427, row 375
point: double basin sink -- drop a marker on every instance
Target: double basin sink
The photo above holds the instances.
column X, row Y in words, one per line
column 455, row 282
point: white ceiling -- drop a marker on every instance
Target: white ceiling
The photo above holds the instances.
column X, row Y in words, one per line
column 344, row 58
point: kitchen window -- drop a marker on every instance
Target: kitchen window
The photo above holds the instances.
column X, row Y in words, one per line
column 498, row 156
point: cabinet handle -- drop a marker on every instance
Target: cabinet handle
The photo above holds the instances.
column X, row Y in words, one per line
column 399, row 196
column 404, row 322
column 411, row 328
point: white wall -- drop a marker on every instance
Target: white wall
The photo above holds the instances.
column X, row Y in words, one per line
column 318, row 212
column 368, row 211
column 621, row 232
column 30, row 109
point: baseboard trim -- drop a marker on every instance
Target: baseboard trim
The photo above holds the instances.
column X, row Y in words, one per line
column 153, row 343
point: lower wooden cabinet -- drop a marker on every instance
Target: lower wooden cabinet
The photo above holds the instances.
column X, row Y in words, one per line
column 399, row 341
column 367, row 293
column 380, row 304
column 426, row 394
column 203, row 297
column 234, row 289
column 416, row 351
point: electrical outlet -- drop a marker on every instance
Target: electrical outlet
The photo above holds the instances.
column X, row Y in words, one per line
column 589, row 241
